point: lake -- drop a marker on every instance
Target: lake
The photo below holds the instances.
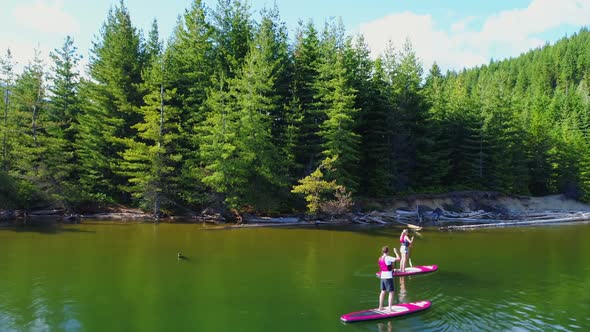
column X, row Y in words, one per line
column 126, row 277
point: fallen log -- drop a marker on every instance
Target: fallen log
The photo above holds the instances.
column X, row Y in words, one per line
column 396, row 218
column 359, row 221
column 273, row 220
column 474, row 220
column 582, row 217
column 377, row 220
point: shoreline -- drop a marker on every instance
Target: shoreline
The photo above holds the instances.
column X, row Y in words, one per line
column 450, row 211
column 455, row 226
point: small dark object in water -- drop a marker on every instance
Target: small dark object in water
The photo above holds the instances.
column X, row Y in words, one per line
column 181, row 256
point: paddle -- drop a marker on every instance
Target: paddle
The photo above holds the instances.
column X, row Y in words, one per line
column 397, row 256
column 409, row 251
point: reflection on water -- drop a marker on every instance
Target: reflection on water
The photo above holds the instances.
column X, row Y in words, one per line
column 128, row 277
column 402, row 294
column 39, row 306
column 385, row 327
column 70, row 322
column 42, row 316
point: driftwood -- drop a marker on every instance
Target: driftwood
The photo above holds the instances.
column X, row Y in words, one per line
column 398, row 220
column 547, row 219
column 472, row 219
column 384, row 218
column 54, row 212
column 273, row 220
column 369, row 219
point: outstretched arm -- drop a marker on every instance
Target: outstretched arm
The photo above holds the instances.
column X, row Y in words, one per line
column 396, row 254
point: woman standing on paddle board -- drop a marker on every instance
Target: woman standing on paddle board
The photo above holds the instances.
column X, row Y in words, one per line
column 405, row 242
column 386, row 263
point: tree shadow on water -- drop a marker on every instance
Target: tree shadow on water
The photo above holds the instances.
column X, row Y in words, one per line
column 42, row 228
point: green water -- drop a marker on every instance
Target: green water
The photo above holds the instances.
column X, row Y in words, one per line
column 127, row 278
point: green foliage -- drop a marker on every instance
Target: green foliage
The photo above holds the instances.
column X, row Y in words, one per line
column 237, row 148
column 306, row 59
column 230, row 112
column 315, row 188
column 335, row 100
column 60, row 127
column 111, row 101
column 7, row 190
column 152, row 157
column 28, row 147
column 6, row 88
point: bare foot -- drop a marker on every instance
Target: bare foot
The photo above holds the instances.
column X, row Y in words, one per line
column 380, row 308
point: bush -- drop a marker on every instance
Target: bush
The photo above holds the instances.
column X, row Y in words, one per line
column 322, row 195
column 7, row 192
column 341, row 204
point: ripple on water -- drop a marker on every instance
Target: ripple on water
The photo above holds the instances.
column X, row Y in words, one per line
column 39, row 306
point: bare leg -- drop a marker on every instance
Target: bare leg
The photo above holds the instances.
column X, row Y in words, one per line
column 402, row 264
column 381, row 298
column 390, row 301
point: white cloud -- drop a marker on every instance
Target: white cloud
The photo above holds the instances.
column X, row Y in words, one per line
column 429, row 43
column 462, row 24
column 507, row 33
column 23, row 52
column 46, row 16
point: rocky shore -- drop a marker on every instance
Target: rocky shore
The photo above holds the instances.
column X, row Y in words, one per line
column 451, row 211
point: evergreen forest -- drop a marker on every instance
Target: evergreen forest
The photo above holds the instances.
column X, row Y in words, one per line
column 234, row 111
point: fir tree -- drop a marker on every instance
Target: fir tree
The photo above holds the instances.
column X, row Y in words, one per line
column 6, row 87
column 240, row 157
column 29, row 149
column 62, row 113
column 335, row 103
column 306, row 63
column 188, row 62
column 151, row 158
column 112, row 99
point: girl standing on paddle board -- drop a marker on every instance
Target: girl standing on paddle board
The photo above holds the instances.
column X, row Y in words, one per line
column 386, row 263
column 405, row 242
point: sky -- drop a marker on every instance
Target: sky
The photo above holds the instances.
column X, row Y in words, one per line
column 456, row 34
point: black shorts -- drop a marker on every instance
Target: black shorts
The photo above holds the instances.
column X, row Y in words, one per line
column 387, row 285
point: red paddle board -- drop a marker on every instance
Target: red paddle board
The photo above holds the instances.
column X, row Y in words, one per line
column 398, row 310
column 414, row 270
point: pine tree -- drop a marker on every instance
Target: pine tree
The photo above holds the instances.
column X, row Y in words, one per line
column 28, row 150
column 152, row 157
column 62, row 112
column 112, row 99
column 6, row 87
column 238, row 150
column 271, row 37
column 377, row 163
column 232, row 35
column 188, row 62
column 409, row 136
column 434, row 163
column 359, row 68
column 190, row 54
column 335, row 103
column 306, row 62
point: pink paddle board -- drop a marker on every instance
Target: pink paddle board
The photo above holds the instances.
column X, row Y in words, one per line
column 413, row 270
column 398, row 310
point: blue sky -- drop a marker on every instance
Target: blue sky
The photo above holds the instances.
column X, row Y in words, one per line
column 455, row 33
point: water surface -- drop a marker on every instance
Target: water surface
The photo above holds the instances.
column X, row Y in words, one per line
column 126, row 277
